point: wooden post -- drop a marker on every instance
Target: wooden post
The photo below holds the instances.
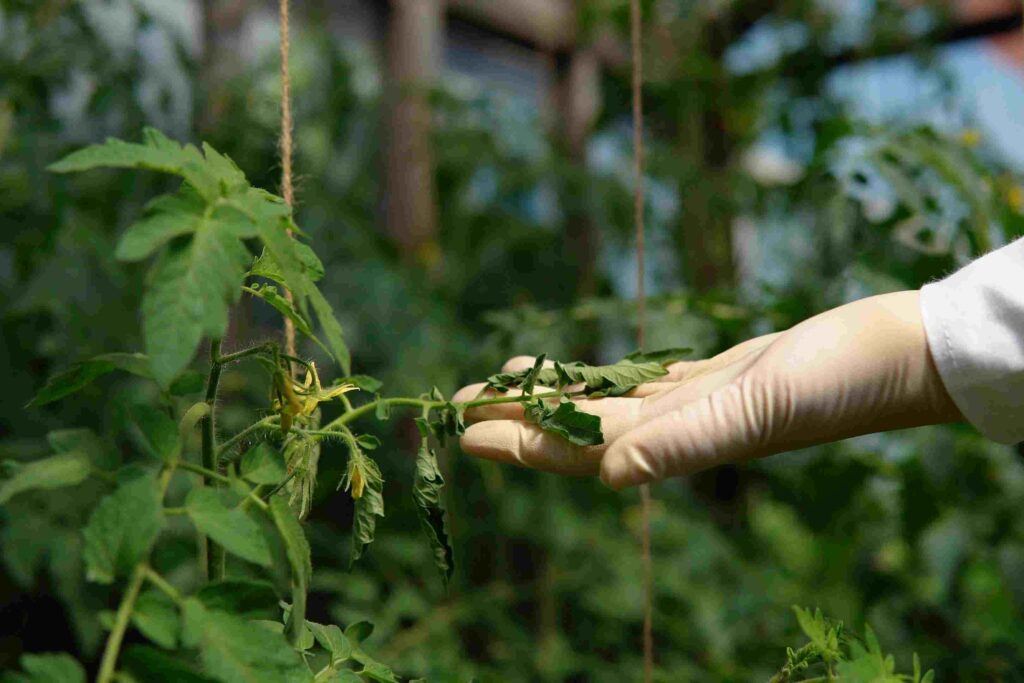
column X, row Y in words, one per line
column 578, row 100
column 413, row 61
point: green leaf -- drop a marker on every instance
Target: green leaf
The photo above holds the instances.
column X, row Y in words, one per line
column 662, row 356
column 530, row 379
column 154, row 666
column 382, row 411
column 156, row 616
column 54, row 472
column 366, row 383
column 189, row 291
column 165, row 218
column 243, row 597
column 123, row 528
column 158, row 434
column 57, row 667
column 269, row 294
column 427, row 492
column 84, row 373
column 230, row 527
column 266, row 266
column 156, row 153
column 332, row 639
column 188, row 382
column 234, row 650
column 332, row 330
column 578, row 427
column 293, row 272
column 263, row 464
column 294, row 539
column 359, row 631
column 297, row 549
column 368, row 442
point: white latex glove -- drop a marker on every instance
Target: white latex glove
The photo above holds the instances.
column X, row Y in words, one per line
column 860, row 368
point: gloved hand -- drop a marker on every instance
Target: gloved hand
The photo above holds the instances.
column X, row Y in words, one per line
column 863, row 367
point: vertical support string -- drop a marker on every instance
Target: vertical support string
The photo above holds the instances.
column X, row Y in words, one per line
column 287, row 190
column 636, row 24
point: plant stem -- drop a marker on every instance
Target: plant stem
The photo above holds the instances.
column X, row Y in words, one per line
column 239, row 355
column 160, row 582
column 108, row 665
column 268, row 422
column 356, row 413
column 207, row 473
column 215, row 553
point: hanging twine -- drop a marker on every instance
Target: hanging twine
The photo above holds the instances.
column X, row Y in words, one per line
column 636, row 22
column 286, row 152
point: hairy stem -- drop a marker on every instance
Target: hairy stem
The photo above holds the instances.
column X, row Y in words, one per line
column 223, row 455
column 214, row 553
column 108, row 665
column 207, row 474
column 244, row 353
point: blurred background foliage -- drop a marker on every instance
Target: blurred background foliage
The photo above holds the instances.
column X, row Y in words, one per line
column 771, row 196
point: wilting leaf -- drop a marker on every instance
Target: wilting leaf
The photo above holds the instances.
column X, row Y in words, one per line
column 427, row 492
column 662, row 356
column 332, row 639
column 566, row 420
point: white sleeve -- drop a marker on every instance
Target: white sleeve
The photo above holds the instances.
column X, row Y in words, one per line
column 974, row 320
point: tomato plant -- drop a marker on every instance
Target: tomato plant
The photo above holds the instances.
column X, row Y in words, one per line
column 214, row 240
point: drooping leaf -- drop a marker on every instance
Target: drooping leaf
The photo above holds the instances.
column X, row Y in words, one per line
column 530, row 379
column 56, row 471
column 228, row 526
column 247, row 598
column 428, row 494
column 364, row 481
column 156, row 616
column 566, row 420
column 263, row 464
column 158, row 434
column 661, row 356
column 613, row 379
column 234, row 650
column 84, row 373
column 123, row 528
column 155, row 666
column 265, row 266
column 51, row 667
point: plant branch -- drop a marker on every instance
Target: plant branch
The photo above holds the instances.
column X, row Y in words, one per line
column 163, row 584
column 244, row 353
column 268, row 422
column 207, row 473
column 112, row 650
column 214, row 553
